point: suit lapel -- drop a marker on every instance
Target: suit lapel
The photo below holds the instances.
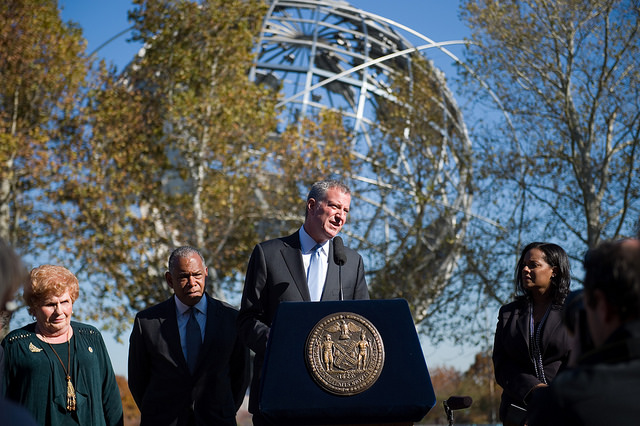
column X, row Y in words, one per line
column 171, row 334
column 553, row 321
column 292, row 255
column 522, row 323
column 210, row 331
column 550, row 329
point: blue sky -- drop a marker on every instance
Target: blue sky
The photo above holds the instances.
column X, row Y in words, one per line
column 101, row 20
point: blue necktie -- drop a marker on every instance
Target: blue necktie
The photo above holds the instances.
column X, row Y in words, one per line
column 313, row 274
column 194, row 340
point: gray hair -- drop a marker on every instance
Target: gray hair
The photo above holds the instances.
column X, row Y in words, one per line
column 183, row 252
column 319, row 190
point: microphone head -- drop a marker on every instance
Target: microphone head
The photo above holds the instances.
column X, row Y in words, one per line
column 339, row 254
column 459, row 402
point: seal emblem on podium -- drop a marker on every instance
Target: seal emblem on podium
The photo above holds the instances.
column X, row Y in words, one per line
column 344, row 353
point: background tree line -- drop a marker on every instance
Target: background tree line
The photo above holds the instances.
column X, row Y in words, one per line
column 106, row 170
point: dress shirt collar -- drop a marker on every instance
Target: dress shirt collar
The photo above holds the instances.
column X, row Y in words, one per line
column 307, row 243
column 201, row 306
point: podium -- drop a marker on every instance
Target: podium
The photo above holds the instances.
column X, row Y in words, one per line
column 345, row 363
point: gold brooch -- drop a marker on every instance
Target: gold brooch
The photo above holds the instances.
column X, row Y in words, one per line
column 345, row 354
column 34, row 348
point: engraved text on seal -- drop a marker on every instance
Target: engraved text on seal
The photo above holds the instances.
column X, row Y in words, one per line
column 344, row 353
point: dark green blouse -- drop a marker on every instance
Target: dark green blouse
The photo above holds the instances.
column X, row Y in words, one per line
column 35, row 378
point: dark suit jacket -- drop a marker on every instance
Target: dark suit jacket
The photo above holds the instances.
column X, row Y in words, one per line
column 275, row 274
column 159, row 378
column 604, row 388
column 514, row 369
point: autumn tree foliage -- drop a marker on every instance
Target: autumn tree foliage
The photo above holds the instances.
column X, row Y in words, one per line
column 183, row 149
column 130, row 411
column 477, row 382
column 43, row 71
column 106, row 171
column 446, row 382
column 178, row 154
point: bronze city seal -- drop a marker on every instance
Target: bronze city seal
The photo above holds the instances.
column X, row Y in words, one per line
column 344, row 353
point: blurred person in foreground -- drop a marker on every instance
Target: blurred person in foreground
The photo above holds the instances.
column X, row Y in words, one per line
column 59, row 369
column 282, row 270
column 604, row 387
column 12, row 275
column 186, row 364
column 531, row 345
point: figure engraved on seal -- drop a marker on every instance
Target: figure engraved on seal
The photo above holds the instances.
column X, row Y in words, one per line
column 344, row 353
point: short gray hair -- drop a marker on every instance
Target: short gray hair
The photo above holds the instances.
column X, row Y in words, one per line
column 183, row 252
column 319, row 190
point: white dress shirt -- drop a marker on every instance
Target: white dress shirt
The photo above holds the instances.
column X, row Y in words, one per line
column 307, row 243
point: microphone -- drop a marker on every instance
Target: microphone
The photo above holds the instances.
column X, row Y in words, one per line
column 339, row 255
column 340, row 258
column 458, row 402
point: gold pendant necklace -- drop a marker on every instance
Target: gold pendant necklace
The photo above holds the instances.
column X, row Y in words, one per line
column 71, row 392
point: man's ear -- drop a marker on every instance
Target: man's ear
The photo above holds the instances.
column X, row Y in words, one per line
column 311, row 203
column 168, row 279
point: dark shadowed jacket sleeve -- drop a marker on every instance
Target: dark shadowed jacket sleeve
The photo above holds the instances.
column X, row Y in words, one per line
column 254, row 311
column 139, row 369
column 240, row 372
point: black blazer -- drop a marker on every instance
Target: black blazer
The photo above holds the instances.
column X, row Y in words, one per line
column 159, row 378
column 513, row 366
column 603, row 389
column 275, row 274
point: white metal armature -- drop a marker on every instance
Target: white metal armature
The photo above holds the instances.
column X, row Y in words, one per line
column 327, row 54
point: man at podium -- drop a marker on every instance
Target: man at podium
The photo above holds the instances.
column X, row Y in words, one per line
column 310, row 265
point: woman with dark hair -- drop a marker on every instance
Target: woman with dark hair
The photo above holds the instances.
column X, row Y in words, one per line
column 531, row 344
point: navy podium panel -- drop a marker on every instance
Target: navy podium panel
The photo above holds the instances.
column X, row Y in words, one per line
column 289, row 395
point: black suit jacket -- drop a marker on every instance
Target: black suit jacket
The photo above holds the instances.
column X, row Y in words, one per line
column 603, row 389
column 513, row 366
column 276, row 274
column 159, row 378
